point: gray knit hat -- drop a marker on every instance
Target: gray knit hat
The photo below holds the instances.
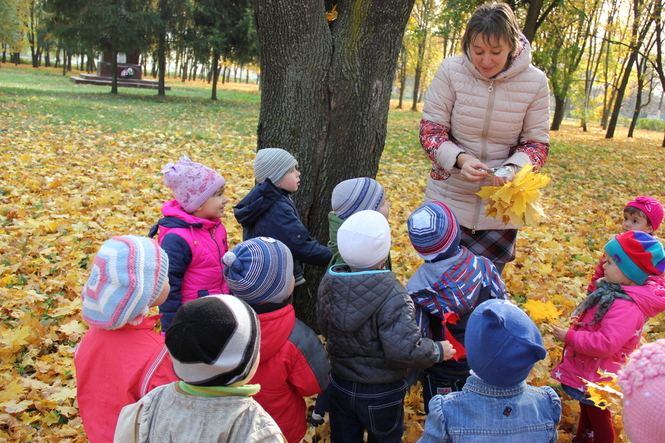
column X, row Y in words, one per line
column 214, row 341
column 357, row 194
column 273, row 163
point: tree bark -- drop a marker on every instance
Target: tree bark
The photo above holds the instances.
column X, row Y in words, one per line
column 559, row 111
column 325, row 98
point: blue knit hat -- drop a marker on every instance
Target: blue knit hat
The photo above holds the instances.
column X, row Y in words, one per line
column 259, row 270
column 274, row 164
column 214, row 341
column 637, row 254
column 434, row 231
column 356, row 194
column 502, row 343
column 126, row 277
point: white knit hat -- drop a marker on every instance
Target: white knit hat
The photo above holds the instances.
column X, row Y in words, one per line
column 363, row 239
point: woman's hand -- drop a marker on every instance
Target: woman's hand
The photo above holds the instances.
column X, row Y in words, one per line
column 472, row 169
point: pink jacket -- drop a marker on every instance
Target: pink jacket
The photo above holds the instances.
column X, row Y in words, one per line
column 607, row 344
column 115, row 368
column 195, row 247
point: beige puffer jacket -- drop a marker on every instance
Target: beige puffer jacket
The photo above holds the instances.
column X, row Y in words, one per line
column 487, row 117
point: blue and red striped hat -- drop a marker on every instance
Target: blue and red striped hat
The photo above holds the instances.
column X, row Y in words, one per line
column 637, row 254
column 434, row 231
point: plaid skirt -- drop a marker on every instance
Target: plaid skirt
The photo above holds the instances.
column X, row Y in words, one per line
column 496, row 245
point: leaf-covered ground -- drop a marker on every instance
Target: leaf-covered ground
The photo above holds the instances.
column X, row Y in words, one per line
column 80, row 166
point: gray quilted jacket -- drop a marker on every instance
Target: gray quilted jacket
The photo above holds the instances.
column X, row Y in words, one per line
column 369, row 322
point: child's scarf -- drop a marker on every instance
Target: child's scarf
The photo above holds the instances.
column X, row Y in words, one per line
column 603, row 296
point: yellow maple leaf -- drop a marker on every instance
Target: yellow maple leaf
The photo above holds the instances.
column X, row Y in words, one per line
column 332, row 14
column 516, row 202
column 539, row 310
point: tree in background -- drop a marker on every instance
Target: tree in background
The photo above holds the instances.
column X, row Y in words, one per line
column 326, row 89
column 10, row 28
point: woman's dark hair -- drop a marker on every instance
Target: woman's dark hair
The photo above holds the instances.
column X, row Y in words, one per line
column 492, row 21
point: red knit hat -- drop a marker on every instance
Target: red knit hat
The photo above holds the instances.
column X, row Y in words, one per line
column 651, row 208
column 637, row 254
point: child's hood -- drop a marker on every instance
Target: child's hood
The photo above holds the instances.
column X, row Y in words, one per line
column 183, row 219
column 650, row 297
column 356, row 296
column 259, row 200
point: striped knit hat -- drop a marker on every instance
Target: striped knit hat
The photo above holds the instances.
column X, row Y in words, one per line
column 214, row 341
column 191, row 183
column 259, row 270
column 637, row 254
column 274, row 164
column 651, row 208
column 127, row 275
column 642, row 381
column 434, row 231
column 357, row 194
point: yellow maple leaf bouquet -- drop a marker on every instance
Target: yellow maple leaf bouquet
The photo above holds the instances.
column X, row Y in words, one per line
column 516, row 202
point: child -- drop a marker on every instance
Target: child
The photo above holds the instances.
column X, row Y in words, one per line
column 121, row 357
column 293, row 362
column 214, row 343
column 496, row 404
column 192, row 234
column 267, row 211
column 608, row 324
column 349, row 197
column 640, row 214
column 642, row 381
column 446, row 289
column 372, row 337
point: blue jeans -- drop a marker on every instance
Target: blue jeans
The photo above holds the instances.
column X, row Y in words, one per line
column 354, row 407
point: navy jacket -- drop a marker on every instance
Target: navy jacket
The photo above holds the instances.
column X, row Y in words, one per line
column 267, row 211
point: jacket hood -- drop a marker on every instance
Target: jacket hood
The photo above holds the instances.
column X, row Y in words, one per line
column 650, row 297
column 520, row 61
column 277, row 321
column 258, row 201
column 176, row 217
column 353, row 300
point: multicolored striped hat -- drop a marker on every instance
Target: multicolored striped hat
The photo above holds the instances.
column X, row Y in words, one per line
column 127, row 275
column 434, row 231
column 637, row 254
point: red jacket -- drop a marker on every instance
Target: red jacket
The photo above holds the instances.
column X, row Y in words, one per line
column 115, row 368
column 607, row 344
column 293, row 365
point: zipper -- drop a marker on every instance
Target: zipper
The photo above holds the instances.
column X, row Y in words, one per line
column 483, row 146
column 219, row 252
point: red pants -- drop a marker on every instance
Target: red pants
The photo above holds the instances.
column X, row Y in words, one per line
column 595, row 425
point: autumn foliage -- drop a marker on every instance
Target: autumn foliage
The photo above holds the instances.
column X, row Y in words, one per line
column 68, row 186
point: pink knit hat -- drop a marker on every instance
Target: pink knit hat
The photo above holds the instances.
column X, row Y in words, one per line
column 192, row 183
column 643, row 383
column 651, row 208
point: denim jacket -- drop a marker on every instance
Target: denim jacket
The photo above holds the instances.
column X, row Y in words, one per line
column 482, row 413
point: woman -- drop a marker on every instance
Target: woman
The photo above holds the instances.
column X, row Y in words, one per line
column 486, row 108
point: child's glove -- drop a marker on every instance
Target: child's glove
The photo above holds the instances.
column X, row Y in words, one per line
column 316, row 419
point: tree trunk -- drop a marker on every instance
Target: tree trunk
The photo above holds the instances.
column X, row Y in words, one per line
column 161, row 61
column 325, row 98
column 215, row 74
column 559, row 111
column 531, row 21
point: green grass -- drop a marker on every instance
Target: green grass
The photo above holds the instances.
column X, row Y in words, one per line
column 51, row 98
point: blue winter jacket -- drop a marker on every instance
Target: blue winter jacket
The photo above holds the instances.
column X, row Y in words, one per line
column 267, row 211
